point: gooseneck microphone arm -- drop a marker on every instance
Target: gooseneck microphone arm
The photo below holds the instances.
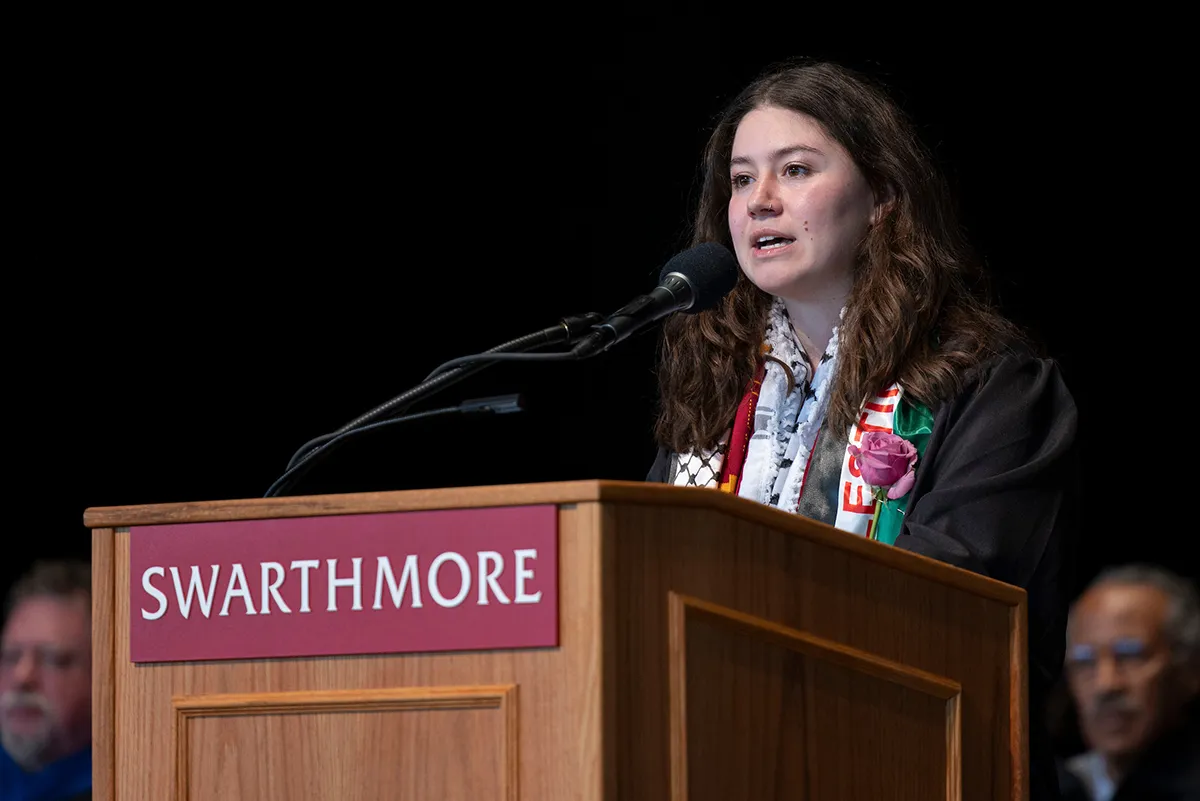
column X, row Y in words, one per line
column 567, row 330
column 503, row 404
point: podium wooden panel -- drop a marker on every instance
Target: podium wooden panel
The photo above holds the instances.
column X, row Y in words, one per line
column 710, row 648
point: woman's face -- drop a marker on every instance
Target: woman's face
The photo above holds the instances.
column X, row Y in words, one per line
column 799, row 206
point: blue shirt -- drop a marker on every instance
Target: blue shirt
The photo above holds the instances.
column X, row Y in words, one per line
column 1090, row 769
column 64, row 779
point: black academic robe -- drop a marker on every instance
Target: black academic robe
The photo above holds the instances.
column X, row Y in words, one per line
column 997, row 492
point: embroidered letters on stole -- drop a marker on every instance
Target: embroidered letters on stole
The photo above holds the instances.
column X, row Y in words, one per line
column 856, row 504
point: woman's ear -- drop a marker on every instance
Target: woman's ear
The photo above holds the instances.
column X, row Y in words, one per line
column 884, row 199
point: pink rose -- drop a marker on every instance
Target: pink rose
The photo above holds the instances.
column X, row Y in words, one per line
column 886, row 461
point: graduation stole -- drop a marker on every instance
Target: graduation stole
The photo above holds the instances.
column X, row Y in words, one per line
column 857, row 510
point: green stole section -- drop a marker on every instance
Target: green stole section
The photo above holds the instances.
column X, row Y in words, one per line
column 913, row 422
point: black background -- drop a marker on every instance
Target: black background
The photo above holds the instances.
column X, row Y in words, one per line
column 240, row 234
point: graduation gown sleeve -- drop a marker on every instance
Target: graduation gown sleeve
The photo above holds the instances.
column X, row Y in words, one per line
column 999, row 479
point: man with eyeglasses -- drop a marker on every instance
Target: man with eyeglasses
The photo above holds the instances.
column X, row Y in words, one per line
column 46, row 685
column 1133, row 670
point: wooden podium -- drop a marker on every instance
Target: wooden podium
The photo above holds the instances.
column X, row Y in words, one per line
column 709, row 648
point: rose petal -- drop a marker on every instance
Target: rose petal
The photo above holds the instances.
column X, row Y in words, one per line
column 882, row 470
column 901, row 487
column 873, row 461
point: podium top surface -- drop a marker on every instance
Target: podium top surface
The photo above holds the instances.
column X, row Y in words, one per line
column 557, row 493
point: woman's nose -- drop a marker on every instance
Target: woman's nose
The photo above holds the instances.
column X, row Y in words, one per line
column 762, row 199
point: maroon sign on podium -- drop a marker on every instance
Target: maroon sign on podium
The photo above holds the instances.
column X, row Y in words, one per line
column 395, row 582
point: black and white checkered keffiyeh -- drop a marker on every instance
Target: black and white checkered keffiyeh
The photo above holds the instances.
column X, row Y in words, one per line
column 791, row 407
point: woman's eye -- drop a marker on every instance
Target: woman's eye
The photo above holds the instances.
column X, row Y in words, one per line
column 740, row 180
column 796, row 170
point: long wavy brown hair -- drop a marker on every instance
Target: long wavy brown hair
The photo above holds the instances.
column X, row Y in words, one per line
column 919, row 310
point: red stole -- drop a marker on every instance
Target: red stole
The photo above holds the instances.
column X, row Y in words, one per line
column 739, row 439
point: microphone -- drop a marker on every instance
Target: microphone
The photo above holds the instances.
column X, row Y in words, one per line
column 692, row 281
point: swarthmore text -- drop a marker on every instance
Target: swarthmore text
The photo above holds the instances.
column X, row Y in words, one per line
column 448, row 580
column 328, row 585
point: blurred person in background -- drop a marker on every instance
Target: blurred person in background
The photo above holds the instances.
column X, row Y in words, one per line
column 1133, row 670
column 46, row 685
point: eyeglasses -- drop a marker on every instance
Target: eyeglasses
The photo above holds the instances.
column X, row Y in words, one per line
column 44, row 656
column 1125, row 653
